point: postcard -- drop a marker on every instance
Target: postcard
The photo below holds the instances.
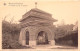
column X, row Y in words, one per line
column 39, row 25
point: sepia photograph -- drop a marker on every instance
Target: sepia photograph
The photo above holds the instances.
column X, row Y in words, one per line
column 39, row 24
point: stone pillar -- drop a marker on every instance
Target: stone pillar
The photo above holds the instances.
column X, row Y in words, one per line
column 32, row 43
column 32, row 37
column 23, row 42
column 52, row 42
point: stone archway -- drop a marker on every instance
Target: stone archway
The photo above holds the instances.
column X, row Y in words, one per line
column 33, row 32
column 42, row 38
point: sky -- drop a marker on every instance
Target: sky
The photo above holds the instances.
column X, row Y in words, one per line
column 67, row 11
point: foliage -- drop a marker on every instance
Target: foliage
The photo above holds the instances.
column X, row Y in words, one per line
column 65, row 36
column 10, row 28
column 10, row 35
column 62, row 31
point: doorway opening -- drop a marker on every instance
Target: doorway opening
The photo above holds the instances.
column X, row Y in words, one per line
column 42, row 38
column 27, row 38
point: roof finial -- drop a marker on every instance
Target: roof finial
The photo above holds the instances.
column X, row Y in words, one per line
column 35, row 4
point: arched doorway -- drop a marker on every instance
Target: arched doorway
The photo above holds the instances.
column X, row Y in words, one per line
column 27, row 37
column 42, row 38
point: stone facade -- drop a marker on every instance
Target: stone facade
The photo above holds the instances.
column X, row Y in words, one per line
column 34, row 22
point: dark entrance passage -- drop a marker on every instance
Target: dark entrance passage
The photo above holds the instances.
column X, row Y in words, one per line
column 27, row 38
column 42, row 38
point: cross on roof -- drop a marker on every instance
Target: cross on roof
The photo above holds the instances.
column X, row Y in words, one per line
column 35, row 4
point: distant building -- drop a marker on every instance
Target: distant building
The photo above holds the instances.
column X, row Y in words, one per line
column 37, row 28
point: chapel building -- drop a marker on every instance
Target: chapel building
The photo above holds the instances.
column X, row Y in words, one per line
column 37, row 28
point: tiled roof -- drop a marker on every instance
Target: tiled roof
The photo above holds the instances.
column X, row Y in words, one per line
column 37, row 13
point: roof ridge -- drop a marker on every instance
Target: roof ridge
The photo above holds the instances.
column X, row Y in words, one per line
column 36, row 9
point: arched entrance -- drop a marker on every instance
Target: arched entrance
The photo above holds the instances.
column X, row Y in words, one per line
column 27, row 37
column 42, row 38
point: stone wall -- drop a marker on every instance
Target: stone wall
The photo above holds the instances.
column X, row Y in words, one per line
column 33, row 33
